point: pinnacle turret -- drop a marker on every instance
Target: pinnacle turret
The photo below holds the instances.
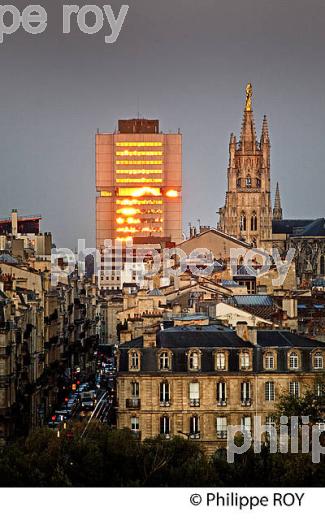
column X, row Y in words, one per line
column 277, row 211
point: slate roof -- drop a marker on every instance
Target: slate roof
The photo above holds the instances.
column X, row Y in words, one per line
column 315, row 227
column 284, row 338
column 207, row 338
column 210, row 336
column 250, row 299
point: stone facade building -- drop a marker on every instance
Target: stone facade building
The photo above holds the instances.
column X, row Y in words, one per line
column 197, row 380
column 247, row 214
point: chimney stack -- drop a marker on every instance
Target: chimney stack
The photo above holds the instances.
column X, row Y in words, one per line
column 14, row 222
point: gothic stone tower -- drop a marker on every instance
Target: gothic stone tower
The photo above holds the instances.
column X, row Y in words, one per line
column 247, row 213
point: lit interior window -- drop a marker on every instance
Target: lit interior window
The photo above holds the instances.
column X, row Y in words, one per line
column 136, row 153
column 172, row 193
column 135, row 180
column 137, row 202
column 138, row 172
column 128, row 211
column 105, row 194
column 139, row 162
column 139, row 143
column 139, row 192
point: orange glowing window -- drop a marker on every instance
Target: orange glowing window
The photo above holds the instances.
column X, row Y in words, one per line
column 139, row 143
column 138, row 162
column 120, row 220
column 126, row 229
column 138, row 172
column 135, row 180
column 137, row 153
column 172, row 193
column 124, row 239
column 139, row 192
column 105, row 194
column 137, row 202
column 128, row 211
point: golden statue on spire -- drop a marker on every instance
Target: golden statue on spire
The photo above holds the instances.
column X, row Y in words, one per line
column 249, row 94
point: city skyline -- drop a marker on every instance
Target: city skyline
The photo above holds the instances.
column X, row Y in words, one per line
column 52, row 108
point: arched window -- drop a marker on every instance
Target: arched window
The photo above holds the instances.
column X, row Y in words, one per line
column 134, row 360
column 254, row 222
column 164, row 361
column 238, row 182
column 318, row 360
column 269, row 361
column 248, row 181
column 322, row 265
column 293, row 360
column 243, row 222
column 194, row 361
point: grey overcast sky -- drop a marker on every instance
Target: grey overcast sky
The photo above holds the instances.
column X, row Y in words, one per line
column 185, row 62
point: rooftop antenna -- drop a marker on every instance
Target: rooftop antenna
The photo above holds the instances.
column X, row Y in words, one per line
column 138, row 106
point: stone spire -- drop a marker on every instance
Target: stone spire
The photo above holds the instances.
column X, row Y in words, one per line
column 248, row 133
column 265, row 131
column 277, row 211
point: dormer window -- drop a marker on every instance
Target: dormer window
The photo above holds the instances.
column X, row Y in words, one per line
column 194, row 360
column 318, row 361
column 164, row 361
column 293, row 360
column 134, row 360
column 269, row 361
column 220, row 361
column 244, row 361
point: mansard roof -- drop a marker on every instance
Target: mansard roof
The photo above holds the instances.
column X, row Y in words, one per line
column 203, row 336
column 285, row 338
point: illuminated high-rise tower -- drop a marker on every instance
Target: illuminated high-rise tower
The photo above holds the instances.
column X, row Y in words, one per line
column 139, row 183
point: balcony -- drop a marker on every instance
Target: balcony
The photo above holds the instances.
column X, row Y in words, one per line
column 194, row 402
column 246, row 402
column 222, row 434
column 165, row 403
column 133, row 404
column 222, row 402
column 194, row 435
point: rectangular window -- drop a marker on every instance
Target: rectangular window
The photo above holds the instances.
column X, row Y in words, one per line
column 294, row 388
column 135, row 389
column 194, row 425
column 246, row 423
column 270, row 421
column 269, row 391
column 221, row 392
column 164, row 392
column 194, row 394
column 164, row 425
column 139, row 143
column 135, row 424
column 222, row 427
column 245, row 391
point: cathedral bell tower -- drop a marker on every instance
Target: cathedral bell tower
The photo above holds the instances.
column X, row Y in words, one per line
column 247, row 214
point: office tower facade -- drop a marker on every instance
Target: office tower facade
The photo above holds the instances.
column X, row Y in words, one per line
column 139, row 184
